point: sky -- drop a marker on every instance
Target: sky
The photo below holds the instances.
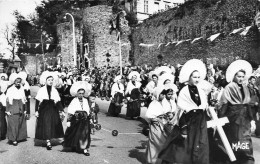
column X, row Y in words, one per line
column 25, row 7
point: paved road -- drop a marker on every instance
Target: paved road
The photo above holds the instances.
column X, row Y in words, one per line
column 105, row 148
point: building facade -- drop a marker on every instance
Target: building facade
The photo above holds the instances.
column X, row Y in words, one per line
column 145, row 8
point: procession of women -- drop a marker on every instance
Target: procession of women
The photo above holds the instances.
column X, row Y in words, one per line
column 184, row 109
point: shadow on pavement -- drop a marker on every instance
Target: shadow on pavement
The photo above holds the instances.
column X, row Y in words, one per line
column 138, row 152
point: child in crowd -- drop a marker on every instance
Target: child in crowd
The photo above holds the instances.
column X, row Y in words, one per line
column 94, row 110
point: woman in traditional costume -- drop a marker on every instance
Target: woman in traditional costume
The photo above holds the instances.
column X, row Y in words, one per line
column 27, row 89
column 3, row 124
column 236, row 106
column 16, row 110
column 132, row 89
column 156, row 118
column 77, row 135
column 4, row 80
column 189, row 144
column 150, row 87
column 117, row 93
column 48, row 110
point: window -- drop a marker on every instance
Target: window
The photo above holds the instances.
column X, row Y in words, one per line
column 145, row 6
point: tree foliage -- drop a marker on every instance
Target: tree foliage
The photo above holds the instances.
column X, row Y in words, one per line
column 42, row 26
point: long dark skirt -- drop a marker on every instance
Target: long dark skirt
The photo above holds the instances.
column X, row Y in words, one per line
column 191, row 150
column 17, row 128
column 238, row 133
column 77, row 136
column 3, row 124
column 16, row 122
column 133, row 109
column 49, row 124
column 115, row 105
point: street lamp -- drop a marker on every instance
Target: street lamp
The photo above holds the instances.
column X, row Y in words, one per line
column 74, row 40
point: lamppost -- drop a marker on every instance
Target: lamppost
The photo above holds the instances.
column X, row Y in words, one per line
column 74, row 40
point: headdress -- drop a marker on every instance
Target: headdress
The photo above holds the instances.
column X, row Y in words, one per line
column 117, row 78
column 236, row 66
column 134, row 73
column 15, row 76
column 191, row 66
column 47, row 74
column 80, row 85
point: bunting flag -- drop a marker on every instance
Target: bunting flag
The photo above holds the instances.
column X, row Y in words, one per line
column 179, row 42
column 213, row 37
column 168, row 44
column 245, row 31
column 47, row 46
column 236, row 31
column 37, row 44
column 146, row 45
column 159, row 45
column 196, row 39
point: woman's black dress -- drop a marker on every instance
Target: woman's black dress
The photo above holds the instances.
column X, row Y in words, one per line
column 115, row 105
column 77, row 136
column 3, row 124
column 133, row 107
column 49, row 124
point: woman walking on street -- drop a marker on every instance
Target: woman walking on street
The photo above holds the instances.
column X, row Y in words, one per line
column 16, row 110
column 236, row 106
column 3, row 124
column 48, row 109
column 77, row 136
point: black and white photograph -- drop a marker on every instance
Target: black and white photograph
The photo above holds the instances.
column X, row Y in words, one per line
column 129, row 81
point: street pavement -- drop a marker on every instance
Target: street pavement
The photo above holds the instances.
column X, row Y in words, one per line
column 126, row 148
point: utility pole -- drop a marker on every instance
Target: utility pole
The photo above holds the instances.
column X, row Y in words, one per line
column 120, row 54
column 43, row 54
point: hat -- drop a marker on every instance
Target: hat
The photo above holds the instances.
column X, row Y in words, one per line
column 47, row 74
column 164, row 77
column 158, row 90
column 162, row 69
column 15, row 76
column 236, row 66
column 80, row 85
column 134, row 73
column 117, row 78
column 191, row 66
column 23, row 75
column 171, row 86
column 5, row 75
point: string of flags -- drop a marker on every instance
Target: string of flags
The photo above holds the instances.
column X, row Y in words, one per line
column 242, row 31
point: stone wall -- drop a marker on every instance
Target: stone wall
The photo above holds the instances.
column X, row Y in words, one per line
column 32, row 64
column 65, row 35
column 199, row 18
column 96, row 19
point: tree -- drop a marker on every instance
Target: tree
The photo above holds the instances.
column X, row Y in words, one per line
column 11, row 38
column 27, row 33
